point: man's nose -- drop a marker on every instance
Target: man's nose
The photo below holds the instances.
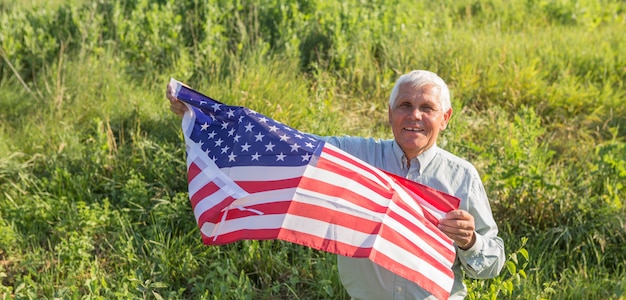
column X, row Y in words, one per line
column 416, row 113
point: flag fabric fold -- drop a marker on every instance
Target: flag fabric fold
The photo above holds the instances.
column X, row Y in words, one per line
column 251, row 177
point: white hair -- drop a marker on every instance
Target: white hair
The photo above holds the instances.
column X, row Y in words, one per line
column 418, row 79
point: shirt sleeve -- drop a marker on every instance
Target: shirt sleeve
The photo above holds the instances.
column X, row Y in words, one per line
column 486, row 257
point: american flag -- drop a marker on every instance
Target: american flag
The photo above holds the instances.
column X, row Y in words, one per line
column 251, row 177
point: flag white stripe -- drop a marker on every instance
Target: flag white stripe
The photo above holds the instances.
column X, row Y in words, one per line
column 266, row 197
column 427, row 206
column 263, row 173
column 329, row 231
column 413, row 262
column 305, row 225
column 246, row 223
column 209, row 202
column 337, row 204
column 348, row 208
column 210, row 173
column 411, row 217
column 347, row 183
column 431, row 209
column 367, row 172
column 428, row 231
column 409, row 197
column 418, row 240
column 315, row 227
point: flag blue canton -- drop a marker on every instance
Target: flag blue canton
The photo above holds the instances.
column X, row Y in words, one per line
column 237, row 136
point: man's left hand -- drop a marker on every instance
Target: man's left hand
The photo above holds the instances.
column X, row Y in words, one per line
column 459, row 226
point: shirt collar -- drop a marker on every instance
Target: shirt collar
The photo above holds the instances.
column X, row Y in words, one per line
column 424, row 159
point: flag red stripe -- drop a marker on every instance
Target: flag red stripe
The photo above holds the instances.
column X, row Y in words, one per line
column 319, row 243
column 192, row 171
column 425, row 222
column 443, row 204
column 340, row 218
column 304, row 210
column 351, row 160
column 205, row 191
column 244, row 234
column 215, row 210
column 334, row 217
column 315, row 185
column 440, row 200
column 401, row 241
column 288, row 235
column 273, row 208
column 341, row 170
column 424, row 234
column 267, row 185
column 423, row 280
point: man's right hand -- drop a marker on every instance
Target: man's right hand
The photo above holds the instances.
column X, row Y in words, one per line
column 176, row 106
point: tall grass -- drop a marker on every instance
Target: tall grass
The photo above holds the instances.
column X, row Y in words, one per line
column 92, row 176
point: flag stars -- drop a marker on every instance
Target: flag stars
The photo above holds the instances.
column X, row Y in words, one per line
column 256, row 156
column 295, row 147
column 284, row 138
column 234, row 137
column 259, row 137
column 280, row 157
column 249, row 127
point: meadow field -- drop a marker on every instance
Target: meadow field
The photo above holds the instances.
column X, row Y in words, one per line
column 93, row 190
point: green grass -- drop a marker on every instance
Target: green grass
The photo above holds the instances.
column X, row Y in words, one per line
column 93, row 199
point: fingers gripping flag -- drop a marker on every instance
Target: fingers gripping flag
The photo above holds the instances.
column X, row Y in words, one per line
column 251, row 177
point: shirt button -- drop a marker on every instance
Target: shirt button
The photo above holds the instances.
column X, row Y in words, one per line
column 399, row 289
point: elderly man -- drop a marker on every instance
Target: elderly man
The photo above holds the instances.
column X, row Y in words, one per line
column 419, row 109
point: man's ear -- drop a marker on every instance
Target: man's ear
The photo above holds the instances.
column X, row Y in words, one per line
column 446, row 118
column 389, row 114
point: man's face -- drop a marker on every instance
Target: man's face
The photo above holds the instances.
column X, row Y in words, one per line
column 416, row 118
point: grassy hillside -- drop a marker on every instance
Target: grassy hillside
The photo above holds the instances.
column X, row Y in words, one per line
column 93, row 198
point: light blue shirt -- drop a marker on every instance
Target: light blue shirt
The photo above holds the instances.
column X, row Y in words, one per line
column 446, row 172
